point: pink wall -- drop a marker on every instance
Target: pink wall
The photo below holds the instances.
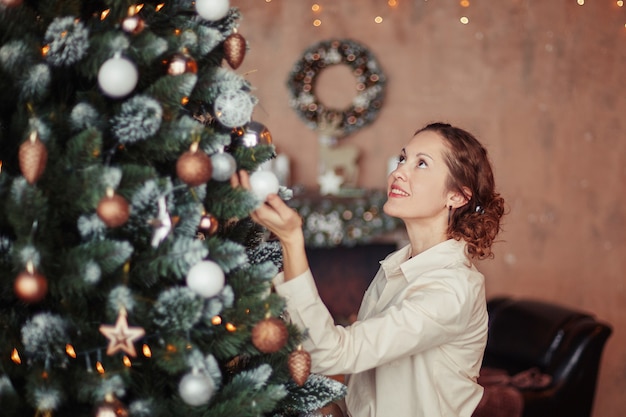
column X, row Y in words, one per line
column 540, row 82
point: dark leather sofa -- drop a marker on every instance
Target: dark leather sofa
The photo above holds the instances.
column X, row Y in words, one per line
column 541, row 357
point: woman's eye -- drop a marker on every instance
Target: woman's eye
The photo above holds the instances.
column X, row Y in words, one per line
column 422, row 164
column 401, row 159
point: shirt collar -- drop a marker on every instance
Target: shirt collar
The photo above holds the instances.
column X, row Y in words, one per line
column 439, row 256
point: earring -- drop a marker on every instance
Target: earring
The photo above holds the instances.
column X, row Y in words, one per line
column 449, row 214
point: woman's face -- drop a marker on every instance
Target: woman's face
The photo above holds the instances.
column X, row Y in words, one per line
column 416, row 189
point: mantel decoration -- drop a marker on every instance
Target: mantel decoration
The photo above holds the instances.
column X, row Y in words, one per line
column 370, row 85
column 343, row 220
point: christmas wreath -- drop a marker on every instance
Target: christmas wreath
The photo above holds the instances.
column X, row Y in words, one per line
column 370, row 83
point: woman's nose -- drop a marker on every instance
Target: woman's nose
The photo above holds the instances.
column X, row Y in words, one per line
column 397, row 173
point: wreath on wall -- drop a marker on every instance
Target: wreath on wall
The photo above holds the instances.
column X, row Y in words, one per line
column 370, row 86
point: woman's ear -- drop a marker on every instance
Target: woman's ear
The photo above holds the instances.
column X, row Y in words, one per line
column 457, row 199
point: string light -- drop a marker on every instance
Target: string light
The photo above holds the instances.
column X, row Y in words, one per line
column 104, row 14
column 159, row 6
column 378, row 19
column 464, row 3
column 99, row 367
column 230, row 327
column 316, row 8
column 216, row 320
column 464, row 20
column 145, row 349
column 317, row 22
column 580, row 2
column 69, row 349
column 15, row 357
column 127, row 362
column 392, row 3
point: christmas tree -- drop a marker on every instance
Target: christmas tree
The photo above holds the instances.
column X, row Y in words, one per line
column 132, row 281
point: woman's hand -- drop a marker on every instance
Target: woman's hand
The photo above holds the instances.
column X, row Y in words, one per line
column 282, row 221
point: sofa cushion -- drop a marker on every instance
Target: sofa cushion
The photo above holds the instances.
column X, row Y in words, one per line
column 525, row 334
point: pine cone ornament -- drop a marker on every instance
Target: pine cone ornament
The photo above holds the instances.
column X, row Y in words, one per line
column 194, row 167
column 299, row 365
column 269, row 335
column 33, row 156
column 234, row 49
column 113, row 209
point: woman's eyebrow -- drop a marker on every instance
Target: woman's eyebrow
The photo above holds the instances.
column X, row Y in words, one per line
column 424, row 154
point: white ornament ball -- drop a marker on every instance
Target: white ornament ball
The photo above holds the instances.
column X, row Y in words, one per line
column 212, row 9
column 196, row 389
column 224, row 166
column 117, row 77
column 264, row 183
column 206, row 279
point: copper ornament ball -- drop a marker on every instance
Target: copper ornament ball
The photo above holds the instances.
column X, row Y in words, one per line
column 181, row 63
column 133, row 24
column 113, row 210
column 30, row 287
column 208, row 224
column 11, row 3
column 194, row 168
column 111, row 407
column 269, row 335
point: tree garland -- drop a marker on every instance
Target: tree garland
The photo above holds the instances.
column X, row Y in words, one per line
column 369, row 78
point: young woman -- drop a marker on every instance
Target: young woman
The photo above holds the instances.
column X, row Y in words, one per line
column 417, row 345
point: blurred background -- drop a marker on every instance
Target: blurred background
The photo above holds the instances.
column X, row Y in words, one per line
column 540, row 83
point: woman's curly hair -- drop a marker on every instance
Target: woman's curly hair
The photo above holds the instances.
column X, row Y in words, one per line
column 478, row 221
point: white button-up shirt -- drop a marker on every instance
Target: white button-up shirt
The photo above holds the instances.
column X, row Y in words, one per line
column 417, row 345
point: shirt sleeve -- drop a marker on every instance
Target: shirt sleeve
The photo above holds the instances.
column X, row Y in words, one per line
column 430, row 314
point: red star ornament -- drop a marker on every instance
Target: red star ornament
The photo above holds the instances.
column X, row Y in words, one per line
column 121, row 337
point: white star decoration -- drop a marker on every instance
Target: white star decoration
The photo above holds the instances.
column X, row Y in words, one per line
column 330, row 182
column 121, row 337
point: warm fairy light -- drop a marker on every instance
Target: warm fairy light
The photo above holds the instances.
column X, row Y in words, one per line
column 230, row 327
column 177, row 32
column 45, row 49
column 464, row 3
column 620, row 3
column 184, row 100
column 104, row 14
column 171, row 348
column 15, row 357
column 127, row 362
column 137, row 8
column 392, row 3
column 160, row 6
column 378, row 19
column 216, row 320
column 145, row 349
column 69, row 349
column 317, row 22
column 464, row 20
column 99, row 367
column 0, row 167
column 580, row 2
column 44, row 375
column 316, row 7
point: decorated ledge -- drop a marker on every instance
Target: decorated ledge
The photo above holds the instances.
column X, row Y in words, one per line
column 353, row 217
